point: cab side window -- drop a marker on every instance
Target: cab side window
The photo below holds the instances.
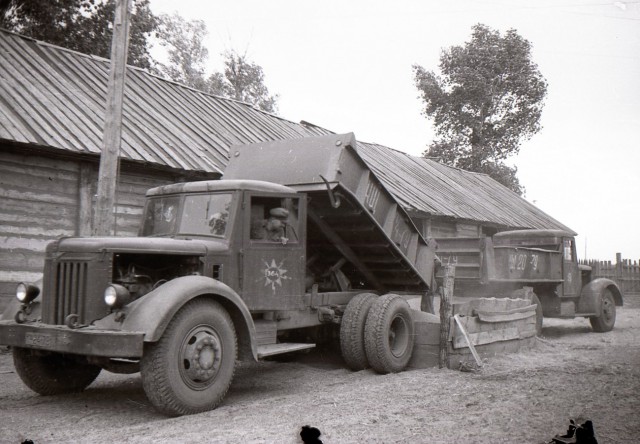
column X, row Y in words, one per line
column 274, row 219
column 568, row 250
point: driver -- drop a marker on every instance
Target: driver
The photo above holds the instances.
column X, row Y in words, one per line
column 275, row 225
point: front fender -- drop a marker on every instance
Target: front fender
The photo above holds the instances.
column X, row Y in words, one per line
column 152, row 313
column 591, row 295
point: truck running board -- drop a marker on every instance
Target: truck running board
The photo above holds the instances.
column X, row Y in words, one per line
column 278, row 349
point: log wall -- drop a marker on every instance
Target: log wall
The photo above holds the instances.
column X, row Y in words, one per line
column 43, row 198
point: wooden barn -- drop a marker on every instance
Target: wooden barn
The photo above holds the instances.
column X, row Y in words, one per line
column 52, row 104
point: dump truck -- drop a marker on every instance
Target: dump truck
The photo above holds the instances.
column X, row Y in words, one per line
column 540, row 264
column 298, row 243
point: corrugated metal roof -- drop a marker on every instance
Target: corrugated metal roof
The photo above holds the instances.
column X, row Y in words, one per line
column 53, row 97
column 427, row 186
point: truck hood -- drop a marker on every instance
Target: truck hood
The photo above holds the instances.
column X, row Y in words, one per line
column 138, row 245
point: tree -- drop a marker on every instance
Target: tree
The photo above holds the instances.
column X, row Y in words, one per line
column 186, row 52
column 80, row 25
column 241, row 80
column 487, row 100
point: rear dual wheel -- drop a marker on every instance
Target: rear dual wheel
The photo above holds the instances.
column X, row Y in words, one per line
column 352, row 331
column 389, row 334
column 377, row 332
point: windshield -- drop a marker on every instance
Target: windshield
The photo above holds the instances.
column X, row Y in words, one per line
column 206, row 214
column 201, row 214
column 160, row 216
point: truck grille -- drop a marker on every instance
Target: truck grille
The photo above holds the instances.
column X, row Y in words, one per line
column 70, row 288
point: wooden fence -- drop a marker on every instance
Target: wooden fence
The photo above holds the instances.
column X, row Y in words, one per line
column 625, row 272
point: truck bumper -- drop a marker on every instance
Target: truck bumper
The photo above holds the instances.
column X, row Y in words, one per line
column 85, row 341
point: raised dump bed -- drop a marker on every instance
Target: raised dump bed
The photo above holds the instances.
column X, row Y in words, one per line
column 351, row 215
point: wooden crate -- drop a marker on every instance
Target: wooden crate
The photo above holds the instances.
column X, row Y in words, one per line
column 494, row 325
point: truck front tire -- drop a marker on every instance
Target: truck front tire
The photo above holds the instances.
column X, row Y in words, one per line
column 389, row 334
column 607, row 318
column 53, row 373
column 352, row 331
column 190, row 368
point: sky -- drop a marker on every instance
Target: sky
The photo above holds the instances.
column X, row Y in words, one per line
column 347, row 66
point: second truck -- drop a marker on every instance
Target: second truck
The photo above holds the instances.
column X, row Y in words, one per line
column 543, row 263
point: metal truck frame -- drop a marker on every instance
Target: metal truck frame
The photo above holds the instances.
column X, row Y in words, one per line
column 240, row 268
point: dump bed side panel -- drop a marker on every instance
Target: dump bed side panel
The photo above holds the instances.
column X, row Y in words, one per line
column 528, row 264
column 351, row 214
column 482, row 266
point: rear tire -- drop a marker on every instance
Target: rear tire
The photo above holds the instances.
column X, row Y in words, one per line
column 607, row 319
column 190, row 368
column 53, row 373
column 539, row 316
column 389, row 334
column 352, row 331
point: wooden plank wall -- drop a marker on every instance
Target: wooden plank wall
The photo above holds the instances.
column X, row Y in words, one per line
column 43, row 198
column 445, row 227
column 38, row 203
column 130, row 201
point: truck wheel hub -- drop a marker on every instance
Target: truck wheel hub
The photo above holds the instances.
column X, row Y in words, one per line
column 201, row 357
column 398, row 336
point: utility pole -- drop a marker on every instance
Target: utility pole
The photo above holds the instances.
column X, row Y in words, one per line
column 104, row 223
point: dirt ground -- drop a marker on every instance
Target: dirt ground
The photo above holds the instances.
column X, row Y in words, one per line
column 519, row 398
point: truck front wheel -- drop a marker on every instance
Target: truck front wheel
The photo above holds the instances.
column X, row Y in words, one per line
column 607, row 318
column 53, row 373
column 389, row 334
column 190, row 368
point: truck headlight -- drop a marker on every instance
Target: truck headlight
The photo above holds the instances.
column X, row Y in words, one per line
column 116, row 296
column 26, row 292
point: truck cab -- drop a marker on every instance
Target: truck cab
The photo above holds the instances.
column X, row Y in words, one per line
column 258, row 229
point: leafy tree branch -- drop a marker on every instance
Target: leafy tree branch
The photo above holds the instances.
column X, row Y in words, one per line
column 486, row 100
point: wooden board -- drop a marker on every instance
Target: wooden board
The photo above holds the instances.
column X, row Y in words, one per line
column 493, row 349
column 489, row 305
column 522, row 313
column 488, row 337
column 487, row 332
